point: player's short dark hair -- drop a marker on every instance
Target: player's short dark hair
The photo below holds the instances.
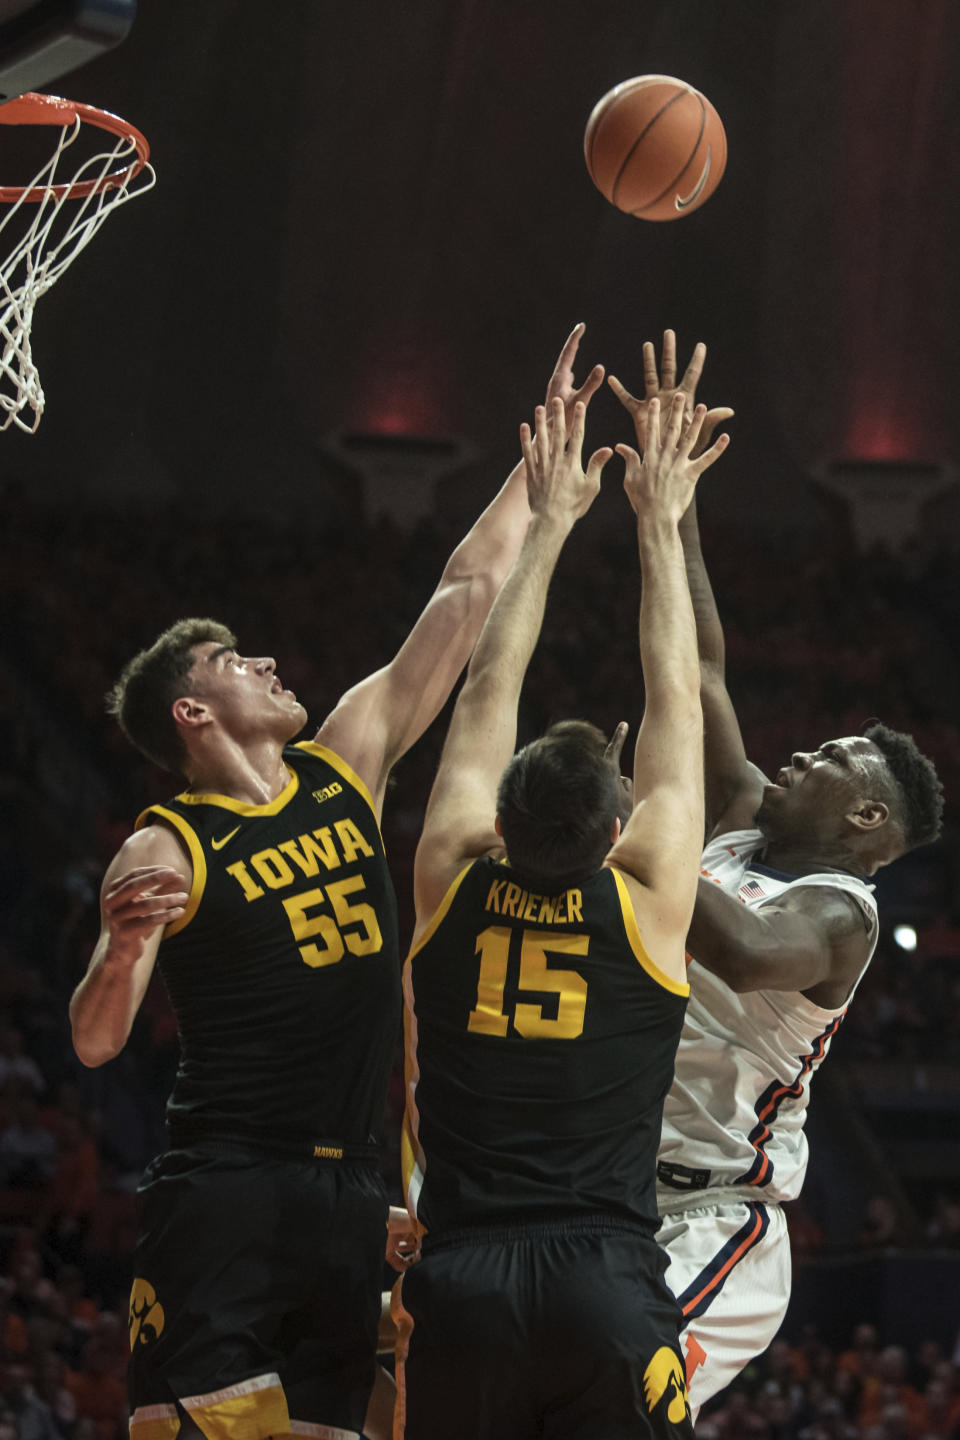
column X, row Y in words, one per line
column 143, row 696
column 916, row 783
column 557, row 801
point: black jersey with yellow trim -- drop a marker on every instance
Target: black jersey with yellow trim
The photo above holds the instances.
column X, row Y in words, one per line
column 284, row 969
column 540, row 1042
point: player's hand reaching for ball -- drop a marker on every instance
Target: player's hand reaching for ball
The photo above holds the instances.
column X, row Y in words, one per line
column 557, row 484
column 663, row 386
column 660, row 486
column 137, row 903
column 561, row 385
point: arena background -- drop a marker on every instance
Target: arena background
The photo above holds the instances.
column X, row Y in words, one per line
column 281, row 384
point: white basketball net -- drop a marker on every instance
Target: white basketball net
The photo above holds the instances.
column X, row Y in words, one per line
column 57, row 228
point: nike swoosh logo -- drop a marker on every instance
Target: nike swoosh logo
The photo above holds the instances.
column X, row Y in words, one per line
column 219, row 844
column 681, row 202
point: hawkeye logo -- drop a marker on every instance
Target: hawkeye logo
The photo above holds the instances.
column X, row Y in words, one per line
column 146, row 1314
column 664, row 1376
column 328, row 792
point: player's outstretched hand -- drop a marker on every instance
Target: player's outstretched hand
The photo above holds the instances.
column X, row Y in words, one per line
column 663, row 386
column 136, row 903
column 562, row 386
column 660, row 486
column 556, row 481
column 624, row 783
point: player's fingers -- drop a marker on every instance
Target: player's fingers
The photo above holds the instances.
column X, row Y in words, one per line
column 542, row 446
column 577, row 423
column 651, row 376
column 704, row 461
column 691, row 431
column 140, row 892
column 591, row 385
column 674, row 421
column 557, row 426
column 628, row 401
column 691, row 376
column 164, row 915
column 652, row 431
column 631, row 460
column 597, row 461
column 568, row 354
column 141, row 905
column 143, row 874
column 668, row 360
column 526, row 447
column 615, row 744
column 710, row 422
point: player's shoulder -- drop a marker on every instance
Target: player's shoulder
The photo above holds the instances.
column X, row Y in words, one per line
column 156, row 842
column 317, row 759
column 838, row 909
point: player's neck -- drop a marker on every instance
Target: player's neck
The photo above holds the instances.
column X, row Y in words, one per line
column 797, row 859
column 253, row 773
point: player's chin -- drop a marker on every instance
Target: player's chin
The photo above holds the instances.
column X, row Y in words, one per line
column 770, row 803
column 293, row 719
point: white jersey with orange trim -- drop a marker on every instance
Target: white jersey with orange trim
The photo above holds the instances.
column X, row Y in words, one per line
column 733, row 1119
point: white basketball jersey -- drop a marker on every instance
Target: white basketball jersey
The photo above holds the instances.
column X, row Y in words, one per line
column 733, row 1119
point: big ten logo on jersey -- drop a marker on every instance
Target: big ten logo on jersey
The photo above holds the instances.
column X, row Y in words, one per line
column 146, row 1313
column 327, row 792
column 332, row 918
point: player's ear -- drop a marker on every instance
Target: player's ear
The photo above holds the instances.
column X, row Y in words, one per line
column 190, row 712
column 615, row 830
column 497, row 826
column 869, row 814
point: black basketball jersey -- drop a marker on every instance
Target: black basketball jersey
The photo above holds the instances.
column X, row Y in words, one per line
column 284, row 970
column 540, row 1046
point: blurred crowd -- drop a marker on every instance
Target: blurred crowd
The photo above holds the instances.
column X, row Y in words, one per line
column 866, row 1391
column 819, row 640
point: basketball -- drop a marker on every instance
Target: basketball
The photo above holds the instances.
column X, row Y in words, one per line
column 655, row 147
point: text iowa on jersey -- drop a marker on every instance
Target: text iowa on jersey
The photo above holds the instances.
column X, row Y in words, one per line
column 280, row 865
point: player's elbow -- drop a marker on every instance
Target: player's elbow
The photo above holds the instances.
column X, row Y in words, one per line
column 92, row 1056
column 92, row 1049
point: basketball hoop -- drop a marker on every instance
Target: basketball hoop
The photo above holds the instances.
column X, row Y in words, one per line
column 57, row 218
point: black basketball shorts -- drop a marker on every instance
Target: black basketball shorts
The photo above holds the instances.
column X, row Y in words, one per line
column 256, row 1294
column 564, row 1330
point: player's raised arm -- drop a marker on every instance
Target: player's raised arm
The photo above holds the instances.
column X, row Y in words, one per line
column 146, row 887
column 459, row 823
column 660, row 845
column 731, row 784
column 379, row 719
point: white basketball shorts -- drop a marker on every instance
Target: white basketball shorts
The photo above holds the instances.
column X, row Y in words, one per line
column 729, row 1268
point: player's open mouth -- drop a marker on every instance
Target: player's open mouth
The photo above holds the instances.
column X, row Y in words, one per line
column 276, row 688
column 783, row 780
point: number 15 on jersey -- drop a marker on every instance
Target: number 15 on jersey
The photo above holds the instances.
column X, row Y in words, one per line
column 489, row 1016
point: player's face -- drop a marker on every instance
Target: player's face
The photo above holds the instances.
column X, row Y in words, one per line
column 245, row 693
column 816, row 791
